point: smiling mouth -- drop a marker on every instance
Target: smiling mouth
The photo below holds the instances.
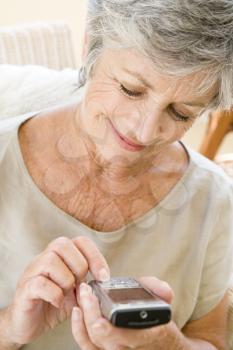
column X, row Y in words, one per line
column 124, row 142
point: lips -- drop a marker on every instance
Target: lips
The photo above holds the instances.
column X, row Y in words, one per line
column 124, row 142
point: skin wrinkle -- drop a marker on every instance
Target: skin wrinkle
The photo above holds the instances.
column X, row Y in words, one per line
column 100, row 164
column 83, row 202
column 92, row 178
column 178, row 39
column 169, row 87
column 120, row 187
column 114, row 117
column 67, row 148
column 142, row 115
column 117, row 189
column 109, row 210
column 116, row 186
column 143, row 154
column 60, row 178
column 144, row 112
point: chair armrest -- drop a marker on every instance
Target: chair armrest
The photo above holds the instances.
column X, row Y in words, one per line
column 230, row 322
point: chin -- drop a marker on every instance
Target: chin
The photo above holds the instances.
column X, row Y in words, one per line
column 113, row 154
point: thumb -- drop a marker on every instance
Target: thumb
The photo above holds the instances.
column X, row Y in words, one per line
column 158, row 287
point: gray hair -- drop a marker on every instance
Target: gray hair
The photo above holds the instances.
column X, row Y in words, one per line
column 180, row 36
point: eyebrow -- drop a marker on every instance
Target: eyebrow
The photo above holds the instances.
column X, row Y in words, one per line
column 194, row 104
column 147, row 84
column 139, row 77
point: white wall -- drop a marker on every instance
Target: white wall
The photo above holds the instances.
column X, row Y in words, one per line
column 14, row 12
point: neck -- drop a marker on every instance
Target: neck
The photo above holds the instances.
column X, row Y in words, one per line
column 115, row 172
column 117, row 169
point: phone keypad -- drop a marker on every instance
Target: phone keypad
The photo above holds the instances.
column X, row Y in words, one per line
column 120, row 282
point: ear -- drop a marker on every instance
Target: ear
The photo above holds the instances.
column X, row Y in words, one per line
column 84, row 47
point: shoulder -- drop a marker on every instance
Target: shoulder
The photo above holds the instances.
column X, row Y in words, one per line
column 48, row 125
column 42, row 137
column 206, row 174
column 8, row 128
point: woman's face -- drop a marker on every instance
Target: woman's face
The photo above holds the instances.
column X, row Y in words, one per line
column 131, row 112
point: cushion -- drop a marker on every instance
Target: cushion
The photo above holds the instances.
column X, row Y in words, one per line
column 32, row 88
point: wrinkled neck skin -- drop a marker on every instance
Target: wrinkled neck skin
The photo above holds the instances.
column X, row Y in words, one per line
column 119, row 169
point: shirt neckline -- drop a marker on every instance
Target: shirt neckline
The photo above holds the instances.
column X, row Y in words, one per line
column 110, row 236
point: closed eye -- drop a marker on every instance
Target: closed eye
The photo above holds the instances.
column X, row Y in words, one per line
column 176, row 115
column 130, row 93
column 180, row 117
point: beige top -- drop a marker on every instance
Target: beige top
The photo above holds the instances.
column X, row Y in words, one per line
column 186, row 240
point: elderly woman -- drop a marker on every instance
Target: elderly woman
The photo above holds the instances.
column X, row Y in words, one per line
column 105, row 187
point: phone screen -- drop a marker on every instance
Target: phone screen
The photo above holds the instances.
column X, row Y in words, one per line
column 124, row 295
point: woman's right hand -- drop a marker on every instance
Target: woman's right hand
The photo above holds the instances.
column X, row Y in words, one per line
column 45, row 294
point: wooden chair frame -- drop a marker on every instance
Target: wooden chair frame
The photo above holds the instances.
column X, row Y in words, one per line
column 220, row 123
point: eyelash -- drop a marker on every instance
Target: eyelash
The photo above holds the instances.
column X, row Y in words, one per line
column 180, row 117
column 135, row 94
column 129, row 92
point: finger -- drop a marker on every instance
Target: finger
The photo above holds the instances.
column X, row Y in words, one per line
column 104, row 334
column 96, row 261
column 50, row 265
column 158, row 287
column 91, row 313
column 39, row 288
column 71, row 255
column 68, row 303
column 90, row 305
column 101, row 332
column 112, row 336
column 79, row 330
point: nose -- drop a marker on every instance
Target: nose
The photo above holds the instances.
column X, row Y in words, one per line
column 151, row 126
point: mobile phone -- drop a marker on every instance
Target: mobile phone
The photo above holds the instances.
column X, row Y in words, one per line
column 126, row 303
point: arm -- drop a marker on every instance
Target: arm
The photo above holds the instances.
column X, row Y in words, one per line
column 216, row 277
column 210, row 331
column 5, row 343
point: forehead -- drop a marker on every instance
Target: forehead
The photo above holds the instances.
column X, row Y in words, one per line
column 133, row 65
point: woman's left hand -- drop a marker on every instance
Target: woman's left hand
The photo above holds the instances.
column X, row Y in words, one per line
column 92, row 332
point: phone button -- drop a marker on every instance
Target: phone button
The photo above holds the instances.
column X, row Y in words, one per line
column 143, row 314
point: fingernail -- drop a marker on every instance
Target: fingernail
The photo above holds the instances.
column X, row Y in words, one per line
column 76, row 314
column 165, row 291
column 166, row 287
column 104, row 275
column 84, row 290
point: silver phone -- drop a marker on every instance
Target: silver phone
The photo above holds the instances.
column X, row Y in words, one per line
column 126, row 303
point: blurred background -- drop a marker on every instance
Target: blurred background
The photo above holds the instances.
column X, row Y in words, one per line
column 73, row 12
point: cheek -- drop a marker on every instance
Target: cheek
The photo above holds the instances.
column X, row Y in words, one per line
column 178, row 130
column 102, row 99
column 98, row 104
column 106, row 101
column 113, row 106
